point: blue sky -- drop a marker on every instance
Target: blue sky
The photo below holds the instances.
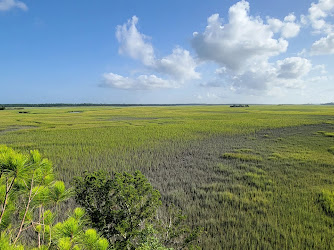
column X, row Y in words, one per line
column 171, row 51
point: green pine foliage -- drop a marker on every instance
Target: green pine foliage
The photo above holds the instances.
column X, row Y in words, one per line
column 29, row 195
column 70, row 234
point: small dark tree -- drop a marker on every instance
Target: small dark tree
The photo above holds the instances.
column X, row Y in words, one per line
column 120, row 207
column 174, row 231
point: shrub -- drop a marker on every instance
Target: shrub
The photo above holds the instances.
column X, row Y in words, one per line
column 242, row 157
column 326, row 200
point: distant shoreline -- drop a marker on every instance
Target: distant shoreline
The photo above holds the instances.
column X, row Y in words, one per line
column 133, row 105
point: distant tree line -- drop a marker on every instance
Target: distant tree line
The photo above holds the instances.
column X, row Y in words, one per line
column 330, row 103
column 112, row 105
column 239, row 106
column 92, row 104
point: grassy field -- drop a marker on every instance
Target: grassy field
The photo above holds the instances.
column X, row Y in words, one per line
column 258, row 177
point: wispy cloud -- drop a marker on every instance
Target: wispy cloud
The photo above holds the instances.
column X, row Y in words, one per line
column 140, row 82
column 6, row 5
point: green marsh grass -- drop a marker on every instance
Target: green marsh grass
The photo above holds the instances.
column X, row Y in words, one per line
column 263, row 194
column 242, row 157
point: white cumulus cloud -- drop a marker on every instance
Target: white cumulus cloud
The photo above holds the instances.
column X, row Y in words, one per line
column 323, row 46
column 179, row 66
column 293, row 67
column 288, row 27
column 244, row 47
column 318, row 12
column 263, row 76
column 242, row 50
column 6, row 5
column 140, row 82
column 243, row 39
column 133, row 43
